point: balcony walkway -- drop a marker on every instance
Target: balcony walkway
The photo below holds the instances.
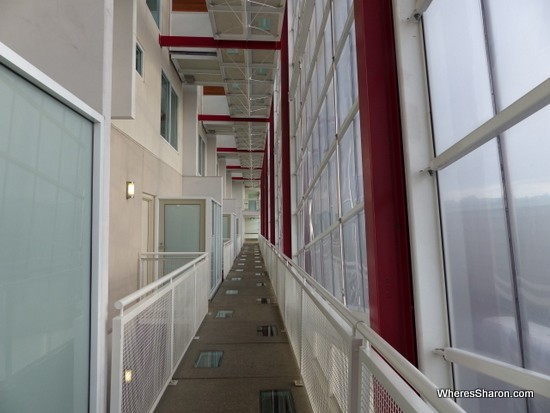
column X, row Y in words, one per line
column 252, row 363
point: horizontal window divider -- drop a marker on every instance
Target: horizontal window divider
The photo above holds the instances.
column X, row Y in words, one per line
column 420, row 8
column 348, row 119
column 528, row 104
column 317, row 175
column 360, row 206
column 321, row 236
column 352, row 213
column 518, row 376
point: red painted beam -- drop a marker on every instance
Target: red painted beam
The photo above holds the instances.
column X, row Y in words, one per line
column 388, row 255
column 271, row 205
column 235, row 150
column 211, row 43
column 227, row 118
column 286, row 212
column 241, row 168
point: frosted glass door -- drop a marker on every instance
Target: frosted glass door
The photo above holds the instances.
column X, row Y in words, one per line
column 45, row 232
column 182, row 228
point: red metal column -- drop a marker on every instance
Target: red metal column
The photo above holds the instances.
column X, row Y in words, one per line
column 286, row 213
column 264, row 195
column 388, row 259
column 271, row 176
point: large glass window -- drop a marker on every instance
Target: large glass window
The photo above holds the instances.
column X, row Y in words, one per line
column 328, row 155
column 483, row 55
column 169, row 112
column 45, row 251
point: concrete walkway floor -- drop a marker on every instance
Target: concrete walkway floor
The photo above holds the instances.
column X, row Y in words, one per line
column 257, row 358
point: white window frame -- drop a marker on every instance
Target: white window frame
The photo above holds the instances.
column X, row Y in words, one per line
column 142, row 60
column 200, row 161
column 430, row 299
column 172, row 140
column 100, row 205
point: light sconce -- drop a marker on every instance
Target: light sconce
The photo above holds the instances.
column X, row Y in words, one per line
column 130, row 189
column 127, row 376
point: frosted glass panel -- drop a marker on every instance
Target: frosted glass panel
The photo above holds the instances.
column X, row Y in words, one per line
column 459, row 76
column 478, row 256
column 355, row 284
column 182, row 228
column 45, row 242
column 349, row 183
column 526, row 152
column 520, row 38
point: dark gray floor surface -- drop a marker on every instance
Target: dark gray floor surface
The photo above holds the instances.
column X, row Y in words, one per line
column 251, row 363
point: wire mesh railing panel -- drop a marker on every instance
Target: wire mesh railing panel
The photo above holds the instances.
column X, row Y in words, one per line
column 203, row 285
column 293, row 314
column 374, row 397
column 280, row 289
column 146, row 360
column 325, row 360
column 184, row 315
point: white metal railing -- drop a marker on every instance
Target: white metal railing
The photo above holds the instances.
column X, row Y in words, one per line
column 227, row 256
column 346, row 366
column 517, row 376
column 153, row 330
column 154, row 265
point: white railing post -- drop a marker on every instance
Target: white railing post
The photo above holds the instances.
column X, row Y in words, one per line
column 172, row 323
column 354, row 394
column 117, row 361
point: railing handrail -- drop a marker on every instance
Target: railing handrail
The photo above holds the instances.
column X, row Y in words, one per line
column 228, row 241
column 414, row 377
column 136, row 295
column 176, row 254
column 518, row 376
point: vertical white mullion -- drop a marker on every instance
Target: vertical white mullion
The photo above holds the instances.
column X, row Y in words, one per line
column 431, row 313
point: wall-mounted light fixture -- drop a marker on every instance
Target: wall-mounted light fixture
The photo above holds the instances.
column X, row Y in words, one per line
column 130, row 189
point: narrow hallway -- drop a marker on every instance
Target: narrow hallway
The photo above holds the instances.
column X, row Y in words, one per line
column 244, row 336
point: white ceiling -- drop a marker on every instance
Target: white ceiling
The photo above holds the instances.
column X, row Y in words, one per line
column 246, row 75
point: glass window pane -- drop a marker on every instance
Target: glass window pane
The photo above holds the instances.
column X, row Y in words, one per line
column 348, row 175
column 139, row 60
column 353, row 266
column 174, row 119
column 164, row 107
column 460, row 91
column 520, row 46
column 337, row 264
column 326, row 258
column 478, row 264
column 45, row 251
column 154, row 7
column 526, row 147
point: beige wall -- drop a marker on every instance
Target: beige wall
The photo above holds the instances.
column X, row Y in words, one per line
column 68, row 40
column 145, row 128
column 132, row 162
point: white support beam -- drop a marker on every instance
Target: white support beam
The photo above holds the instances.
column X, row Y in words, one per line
column 522, row 108
column 519, row 377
